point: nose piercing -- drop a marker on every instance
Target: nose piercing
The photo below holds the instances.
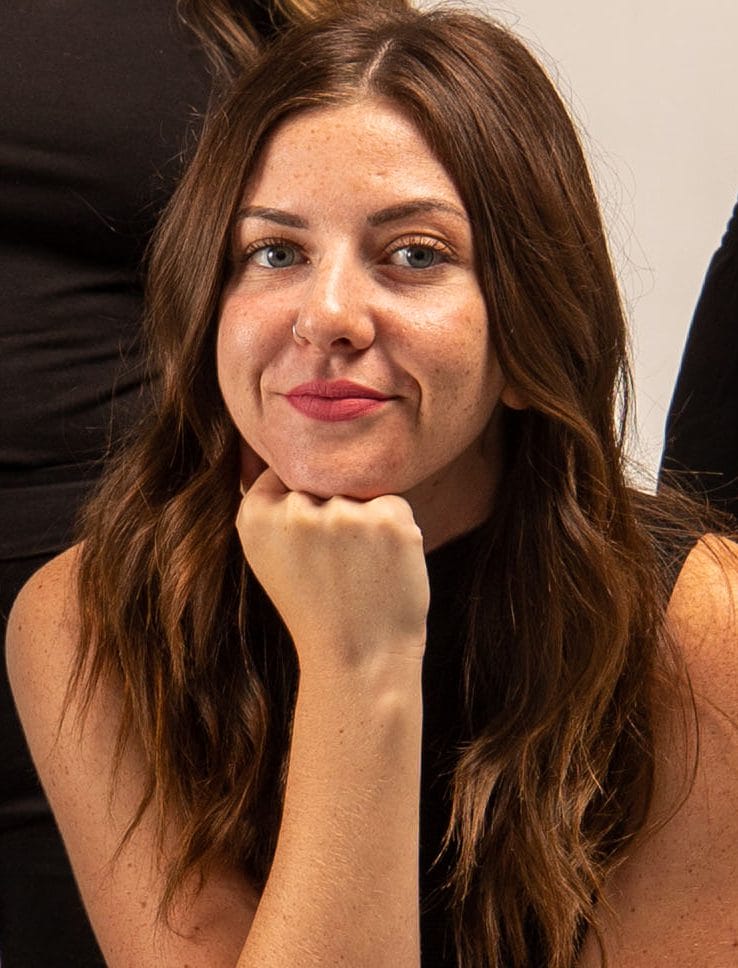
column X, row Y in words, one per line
column 298, row 337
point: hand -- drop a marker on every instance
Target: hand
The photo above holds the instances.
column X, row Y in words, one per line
column 348, row 577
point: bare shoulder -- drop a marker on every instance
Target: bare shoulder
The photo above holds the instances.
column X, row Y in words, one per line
column 94, row 800
column 703, row 619
column 709, row 576
column 674, row 901
column 42, row 635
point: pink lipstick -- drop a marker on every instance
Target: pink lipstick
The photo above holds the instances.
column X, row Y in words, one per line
column 335, row 400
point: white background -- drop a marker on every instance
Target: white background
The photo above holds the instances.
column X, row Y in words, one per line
column 654, row 86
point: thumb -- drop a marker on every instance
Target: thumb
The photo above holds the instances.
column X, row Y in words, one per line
column 266, row 487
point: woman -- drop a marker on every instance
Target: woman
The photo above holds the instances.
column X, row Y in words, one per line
column 383, row 307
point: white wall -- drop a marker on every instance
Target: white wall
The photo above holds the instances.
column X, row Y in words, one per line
column 654, row 83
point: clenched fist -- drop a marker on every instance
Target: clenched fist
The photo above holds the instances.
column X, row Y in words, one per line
column 348, row 577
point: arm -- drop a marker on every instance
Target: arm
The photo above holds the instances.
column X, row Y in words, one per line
column 121, row 895
column 675, row 899
column 343, row 888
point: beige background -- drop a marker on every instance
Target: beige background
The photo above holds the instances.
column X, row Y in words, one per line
column 654, row 84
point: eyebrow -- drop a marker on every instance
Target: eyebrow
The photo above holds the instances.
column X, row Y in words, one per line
column 419, row 206
column 272, row 215
column 394, row 213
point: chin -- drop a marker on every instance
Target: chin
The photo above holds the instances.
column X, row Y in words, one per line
column 325, row 486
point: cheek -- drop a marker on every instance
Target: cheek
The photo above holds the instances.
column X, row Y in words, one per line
column 239, row 389
column 464, row 363
column 241, row 346
column 234, row 335
column 222, row 350
column 237, row 374
column 466, row 385
column 251, row 332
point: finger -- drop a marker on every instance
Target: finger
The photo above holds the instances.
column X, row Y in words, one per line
column 262, row 497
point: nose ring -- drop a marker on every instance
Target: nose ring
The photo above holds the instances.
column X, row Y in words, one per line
column 298, row 337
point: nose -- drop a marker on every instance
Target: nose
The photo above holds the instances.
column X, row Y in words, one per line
column 335, row 312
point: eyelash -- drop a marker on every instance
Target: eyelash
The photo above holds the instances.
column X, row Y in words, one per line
column 423, row 242
column 438, row 247
column 270, row 243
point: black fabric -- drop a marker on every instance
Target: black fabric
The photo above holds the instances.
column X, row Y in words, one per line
column 99, row 100
column 701, row 445
column 449, row 570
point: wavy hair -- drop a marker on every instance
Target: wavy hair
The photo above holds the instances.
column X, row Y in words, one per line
column 564, row 627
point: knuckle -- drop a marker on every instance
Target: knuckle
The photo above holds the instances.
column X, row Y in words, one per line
column 394, row 512
column 243, row 516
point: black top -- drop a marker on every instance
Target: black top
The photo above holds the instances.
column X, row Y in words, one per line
column 449, row 571
column 701, row 449
column 98, row 99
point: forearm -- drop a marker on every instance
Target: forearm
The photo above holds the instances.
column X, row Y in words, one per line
column 343, row 889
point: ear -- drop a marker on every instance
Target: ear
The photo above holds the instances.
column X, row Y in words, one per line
column 513, row 398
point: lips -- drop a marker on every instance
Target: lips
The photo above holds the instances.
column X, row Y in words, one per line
column 336, row 399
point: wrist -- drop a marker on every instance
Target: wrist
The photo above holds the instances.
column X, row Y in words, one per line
column 369, row 705
column 377, row 678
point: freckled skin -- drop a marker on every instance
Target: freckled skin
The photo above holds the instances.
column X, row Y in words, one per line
column 366, row 312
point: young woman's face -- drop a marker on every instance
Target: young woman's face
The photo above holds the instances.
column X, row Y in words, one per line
column 353, row 347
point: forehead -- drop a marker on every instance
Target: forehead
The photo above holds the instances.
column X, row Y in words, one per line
column 347, row 151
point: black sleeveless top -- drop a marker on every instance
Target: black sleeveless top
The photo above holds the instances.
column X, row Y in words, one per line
column 449, row 570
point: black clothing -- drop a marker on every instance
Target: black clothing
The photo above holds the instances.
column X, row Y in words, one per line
column 449, row 570
column 701, row 446
column 96, row 109
column 99, row 100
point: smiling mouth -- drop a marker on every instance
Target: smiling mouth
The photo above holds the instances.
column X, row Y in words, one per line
column 336, row 400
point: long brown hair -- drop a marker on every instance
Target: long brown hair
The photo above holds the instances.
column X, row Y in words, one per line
column 231, row 31
column 564, row 625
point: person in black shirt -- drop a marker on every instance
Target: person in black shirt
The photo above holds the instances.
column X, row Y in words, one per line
column 701, row 438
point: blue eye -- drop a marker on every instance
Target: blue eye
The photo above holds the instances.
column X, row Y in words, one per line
column 416, row 256
column 278, row 256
